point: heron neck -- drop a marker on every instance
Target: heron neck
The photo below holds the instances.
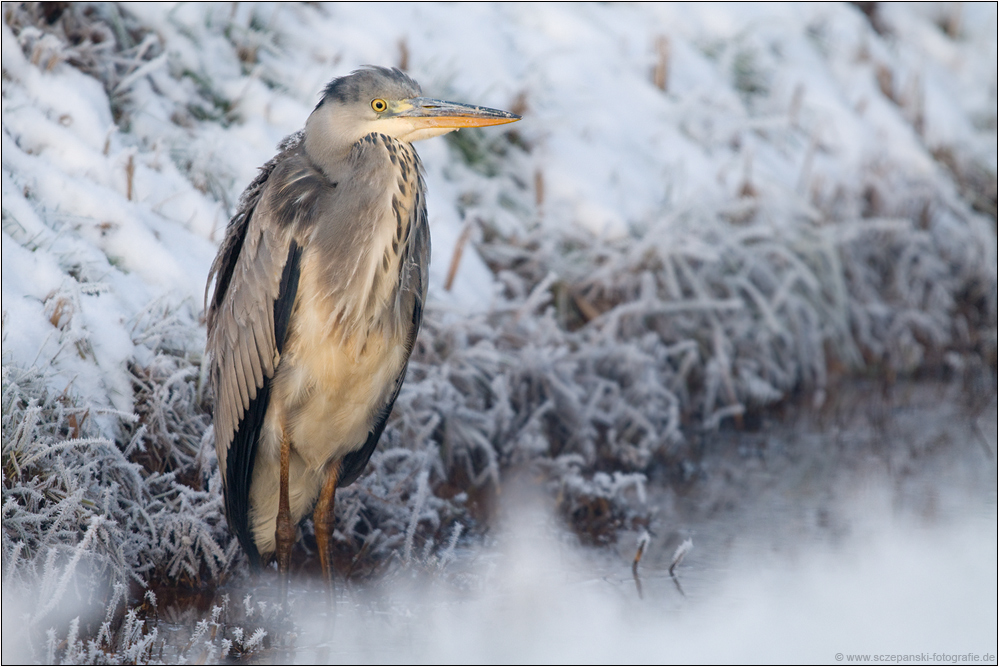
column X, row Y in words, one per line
column 326, row 148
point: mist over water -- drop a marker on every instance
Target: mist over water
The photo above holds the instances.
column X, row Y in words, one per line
column 896, row 585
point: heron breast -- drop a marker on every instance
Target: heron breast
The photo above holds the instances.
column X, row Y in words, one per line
column 334, row 387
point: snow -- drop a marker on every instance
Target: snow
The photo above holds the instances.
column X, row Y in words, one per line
column 614, row 152
column 807, row 197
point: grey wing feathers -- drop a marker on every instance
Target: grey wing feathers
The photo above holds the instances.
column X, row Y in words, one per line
column 241, row 338
column 247, row 274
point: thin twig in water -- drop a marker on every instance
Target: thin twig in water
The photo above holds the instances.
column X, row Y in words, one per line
column 678, row 556
column 643, row 542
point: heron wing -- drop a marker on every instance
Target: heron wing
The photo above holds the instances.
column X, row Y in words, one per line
column 256, row 281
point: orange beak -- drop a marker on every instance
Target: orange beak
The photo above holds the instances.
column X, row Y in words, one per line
column 428, row 112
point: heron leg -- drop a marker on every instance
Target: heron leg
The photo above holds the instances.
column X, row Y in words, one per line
column 323, row 517
column 284, row 534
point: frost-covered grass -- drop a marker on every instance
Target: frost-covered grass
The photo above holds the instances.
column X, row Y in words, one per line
column 706, row 211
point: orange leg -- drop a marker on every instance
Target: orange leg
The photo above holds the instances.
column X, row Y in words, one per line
column 284, row 534
column 324, row 518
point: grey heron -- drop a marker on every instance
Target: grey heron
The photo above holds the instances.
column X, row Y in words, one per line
column 319, row 289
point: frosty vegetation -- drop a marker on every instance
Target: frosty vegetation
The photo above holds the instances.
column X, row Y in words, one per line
column 793, row 255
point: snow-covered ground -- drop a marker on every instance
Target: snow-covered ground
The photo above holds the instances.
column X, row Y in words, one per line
column 706, row 210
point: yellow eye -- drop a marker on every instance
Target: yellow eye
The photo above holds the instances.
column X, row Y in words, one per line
column 379, row 105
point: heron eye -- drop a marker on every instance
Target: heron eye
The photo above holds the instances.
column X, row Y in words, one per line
column 379, row 105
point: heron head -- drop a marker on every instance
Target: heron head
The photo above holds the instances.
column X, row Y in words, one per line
column 379, row 99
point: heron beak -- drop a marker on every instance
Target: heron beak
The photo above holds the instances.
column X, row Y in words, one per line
column 427, row 113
